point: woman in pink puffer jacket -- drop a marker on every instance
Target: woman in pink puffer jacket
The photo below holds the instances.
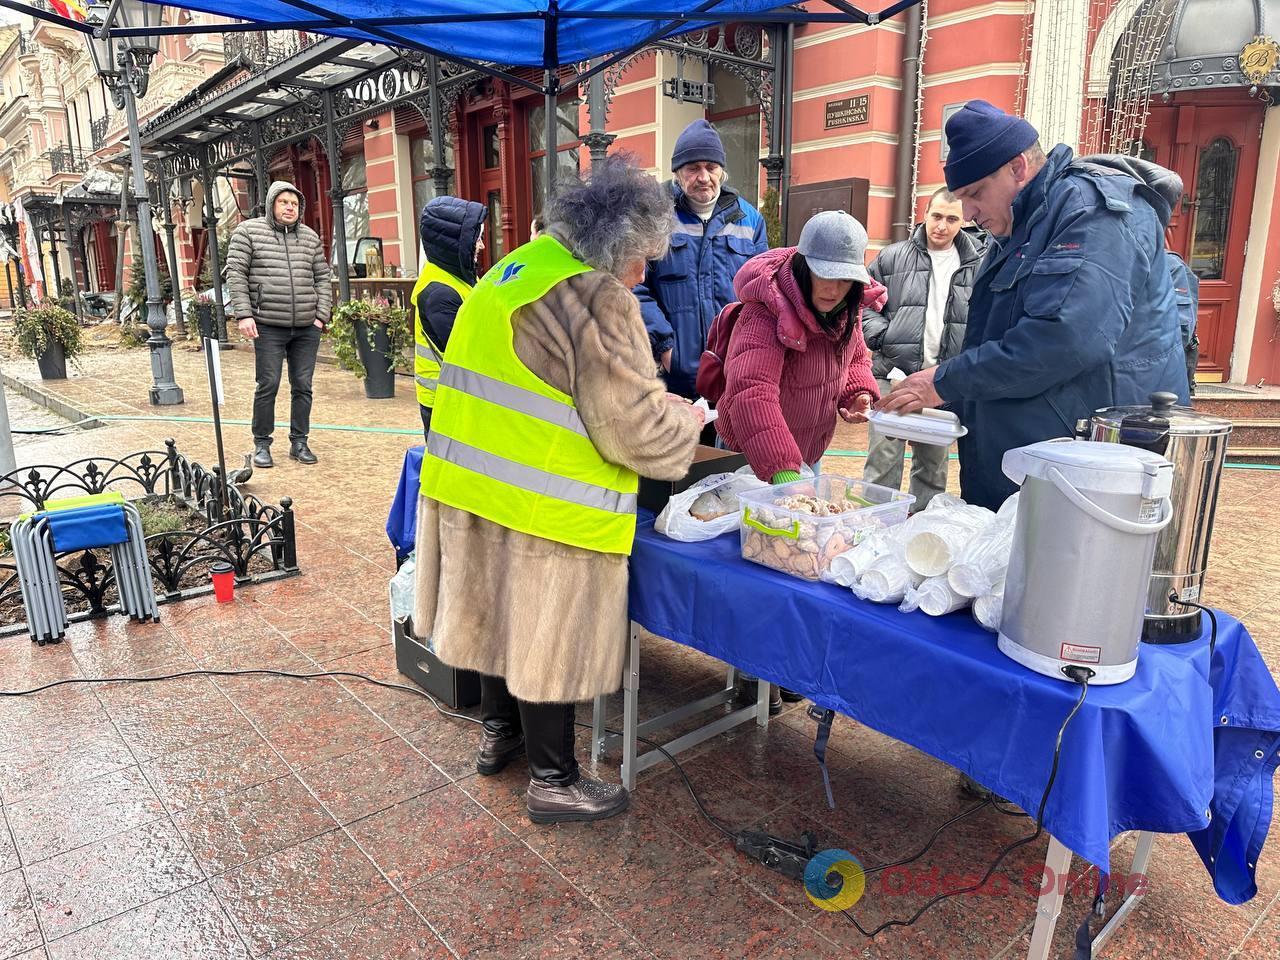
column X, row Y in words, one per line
column 796, row 357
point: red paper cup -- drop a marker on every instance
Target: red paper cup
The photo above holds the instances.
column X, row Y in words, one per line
column 223, row 581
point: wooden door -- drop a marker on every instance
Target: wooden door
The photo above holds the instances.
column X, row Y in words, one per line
column 1213, row 147
column 484, row 149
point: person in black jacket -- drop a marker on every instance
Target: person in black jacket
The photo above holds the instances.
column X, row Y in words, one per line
column 928, row 277
column 452, row 233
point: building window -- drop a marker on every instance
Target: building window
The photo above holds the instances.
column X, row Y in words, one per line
column 422, row 158
column 949, row 111
column 736, row 117
column 567, row 144
column 355, row 201
column 1215, row 187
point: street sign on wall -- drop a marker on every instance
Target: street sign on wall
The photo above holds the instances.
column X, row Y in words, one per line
column 848, row 112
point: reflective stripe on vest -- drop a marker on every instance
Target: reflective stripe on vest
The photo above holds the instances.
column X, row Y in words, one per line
column 509, row 447
column 426, row 358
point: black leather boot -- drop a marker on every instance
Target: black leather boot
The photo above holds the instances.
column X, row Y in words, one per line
column 299, row 450
column 558, row 793
column 501, row 739
column 746, row 694
column 262, row 454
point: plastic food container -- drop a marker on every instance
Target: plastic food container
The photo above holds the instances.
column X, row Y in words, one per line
column 939, row 428
column 803, row 544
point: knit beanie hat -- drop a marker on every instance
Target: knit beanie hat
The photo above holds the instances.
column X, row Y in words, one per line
column 698, row 141
column 982, row 139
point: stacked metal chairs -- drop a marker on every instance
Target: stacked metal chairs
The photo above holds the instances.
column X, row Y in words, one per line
column 80, row 523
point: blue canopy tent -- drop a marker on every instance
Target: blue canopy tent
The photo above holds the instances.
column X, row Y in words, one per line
column 494, row 36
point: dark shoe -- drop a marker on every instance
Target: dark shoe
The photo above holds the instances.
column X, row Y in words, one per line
column 587, row 799
column 746, row 695
column 790, row 696
column 496, row 752
column 301, row 452
column 262, row 456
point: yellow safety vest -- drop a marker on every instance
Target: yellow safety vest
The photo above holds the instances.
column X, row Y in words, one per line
column 426, row 355
column 506, row 446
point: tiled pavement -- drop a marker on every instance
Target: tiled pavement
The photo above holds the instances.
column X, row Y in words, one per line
column 250, row 817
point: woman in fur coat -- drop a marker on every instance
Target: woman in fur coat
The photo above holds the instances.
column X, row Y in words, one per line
column 545, row 623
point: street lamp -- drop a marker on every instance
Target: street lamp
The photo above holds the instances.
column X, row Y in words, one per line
column 123, row 65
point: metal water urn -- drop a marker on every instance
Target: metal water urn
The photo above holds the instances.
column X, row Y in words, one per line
column 1196, row 445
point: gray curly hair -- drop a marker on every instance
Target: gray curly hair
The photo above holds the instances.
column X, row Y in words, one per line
column 618, row 215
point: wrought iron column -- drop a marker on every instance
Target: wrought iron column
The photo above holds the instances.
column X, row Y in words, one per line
column 260, row 170
column 788, row 63
column 164, row 388
column 53, row 255
column 331, row 147
column 773, row 163
column 70, row 243
column 441, row 173
column 211, row 247
column 175, row 277
column 597, row 139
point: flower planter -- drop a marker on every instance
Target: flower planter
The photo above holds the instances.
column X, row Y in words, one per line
column 53, row 362
column 380, row 378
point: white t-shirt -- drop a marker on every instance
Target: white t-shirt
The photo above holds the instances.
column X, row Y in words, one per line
column 945, row 264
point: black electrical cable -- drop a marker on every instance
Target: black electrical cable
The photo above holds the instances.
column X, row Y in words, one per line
column 336, row 674
column 1213, row 622
column 1080, row 675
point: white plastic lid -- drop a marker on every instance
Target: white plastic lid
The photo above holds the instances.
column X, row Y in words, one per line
column 938, row 427
column 1090, row 465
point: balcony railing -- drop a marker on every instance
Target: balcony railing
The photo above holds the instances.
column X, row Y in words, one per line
column 66, row 160
column 27, row 43
column 267, row 47
column 98, row 132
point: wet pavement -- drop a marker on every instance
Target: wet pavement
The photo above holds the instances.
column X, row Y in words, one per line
column 216, row 817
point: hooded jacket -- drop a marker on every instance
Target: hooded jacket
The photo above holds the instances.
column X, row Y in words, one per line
column 278, row 274
column 1072, row 312
column 895, row 335
column 449, row 228
column 785, row 376
column 682, row 293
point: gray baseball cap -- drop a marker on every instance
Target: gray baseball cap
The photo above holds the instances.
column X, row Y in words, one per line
column 834, row 244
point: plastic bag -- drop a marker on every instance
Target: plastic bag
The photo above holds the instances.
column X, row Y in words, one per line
column 402, row 591
column 983, row 561
column 886, row 580
column 933, row 597
column 938, row 534
column 716, row 493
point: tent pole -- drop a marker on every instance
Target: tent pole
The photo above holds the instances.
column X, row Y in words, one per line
column 332, row 148
column 551, row 80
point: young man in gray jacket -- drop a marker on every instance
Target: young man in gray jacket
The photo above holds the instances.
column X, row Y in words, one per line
column 922, row 323
column 278, row 279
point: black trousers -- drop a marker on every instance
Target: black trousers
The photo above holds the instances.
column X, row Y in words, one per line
column 275, row 345
column 426, row 421
column 548, row 730
column 1193, row 358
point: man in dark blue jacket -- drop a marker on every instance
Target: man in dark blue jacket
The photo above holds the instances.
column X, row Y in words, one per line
column 1186, row 290
column 717, row 231
column 1072, row 309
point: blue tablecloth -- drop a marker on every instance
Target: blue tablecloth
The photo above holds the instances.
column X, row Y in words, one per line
column 402, row 521
column 1166, row 751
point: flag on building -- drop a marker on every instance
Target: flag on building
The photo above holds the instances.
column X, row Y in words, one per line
column 71, row 9
column 32, row 268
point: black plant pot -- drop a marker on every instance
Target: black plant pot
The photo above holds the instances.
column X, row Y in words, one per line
column 204, row 320
column 380, row 378
column 53, row 362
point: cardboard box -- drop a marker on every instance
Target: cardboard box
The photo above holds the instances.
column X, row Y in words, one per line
column 654, row 494
column 457, row 689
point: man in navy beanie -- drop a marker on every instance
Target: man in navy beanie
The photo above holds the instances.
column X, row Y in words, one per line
column 717, row 231
column 1072, row 308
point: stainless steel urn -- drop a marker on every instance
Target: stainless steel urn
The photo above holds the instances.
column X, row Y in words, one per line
column 1196, row 445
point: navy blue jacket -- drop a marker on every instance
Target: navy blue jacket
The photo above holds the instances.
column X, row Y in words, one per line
column 1186, row 290
column 1072, row 312
column 682, row 293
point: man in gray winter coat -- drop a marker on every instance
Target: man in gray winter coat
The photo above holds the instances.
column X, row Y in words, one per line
column 278, row 278
column 928, row 277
